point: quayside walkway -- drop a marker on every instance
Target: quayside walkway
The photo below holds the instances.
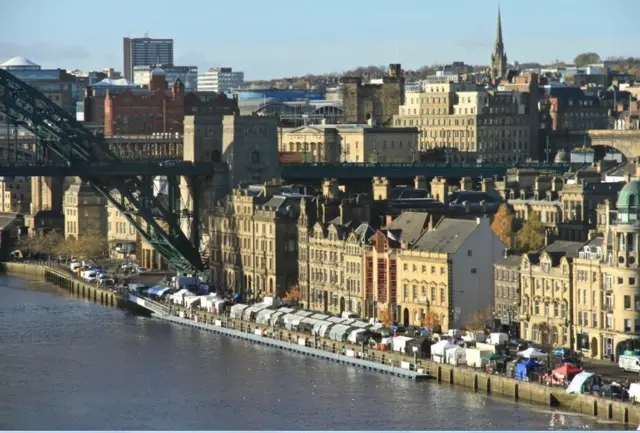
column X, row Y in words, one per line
column 400, row 364
column 284, row 339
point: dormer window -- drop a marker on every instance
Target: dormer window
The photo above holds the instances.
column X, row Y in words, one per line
column 546, row 267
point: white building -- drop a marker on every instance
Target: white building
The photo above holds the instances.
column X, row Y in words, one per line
column 188, row 75
column 220, row 80
column 473, row 248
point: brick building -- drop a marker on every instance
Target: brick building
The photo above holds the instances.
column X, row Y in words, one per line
column 160, row 109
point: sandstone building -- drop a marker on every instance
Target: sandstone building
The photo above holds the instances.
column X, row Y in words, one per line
column 254, row 241
column 349, row 143
column 378, row 102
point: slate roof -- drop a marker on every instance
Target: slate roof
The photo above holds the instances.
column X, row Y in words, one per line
column 447, row 237
column 511, row 261
column 10, row 220
column 570, row 248
column 364, row 233
column 408, row 226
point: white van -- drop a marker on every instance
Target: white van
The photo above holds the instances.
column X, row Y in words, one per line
column 349, row 315
column 629, row 363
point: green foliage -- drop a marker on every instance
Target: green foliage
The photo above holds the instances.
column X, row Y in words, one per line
column 586, row 59
column 531, row 235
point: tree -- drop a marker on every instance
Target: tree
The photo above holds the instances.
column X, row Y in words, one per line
column 531, row 235
column 586, row 59
column 293, row 296
column 502, row 224
column 479, row 320
column 385, row 316
column 430, row 320
column 92, row 245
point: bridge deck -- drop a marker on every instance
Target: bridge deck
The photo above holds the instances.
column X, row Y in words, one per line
column 364, row 171
column 119, row 168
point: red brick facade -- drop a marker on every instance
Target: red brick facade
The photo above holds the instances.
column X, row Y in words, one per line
column 159, row 110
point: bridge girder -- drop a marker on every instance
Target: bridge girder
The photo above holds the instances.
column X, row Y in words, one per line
column 63, row 135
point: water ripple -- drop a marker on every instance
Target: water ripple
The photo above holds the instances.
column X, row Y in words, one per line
column 66, row 364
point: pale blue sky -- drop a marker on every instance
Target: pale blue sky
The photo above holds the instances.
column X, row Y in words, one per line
column 274, row 38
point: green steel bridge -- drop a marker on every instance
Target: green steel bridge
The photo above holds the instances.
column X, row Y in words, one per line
column 66, row 148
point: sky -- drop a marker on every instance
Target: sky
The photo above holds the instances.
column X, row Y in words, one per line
column 283, row 38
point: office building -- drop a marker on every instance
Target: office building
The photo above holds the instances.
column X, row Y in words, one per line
column 220, row 80
column 146, row 52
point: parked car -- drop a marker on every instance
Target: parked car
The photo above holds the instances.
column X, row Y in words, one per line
column 561, row 351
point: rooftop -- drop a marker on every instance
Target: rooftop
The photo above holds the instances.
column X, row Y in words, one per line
column 18, row 61
column 447, row 237
column 408, row 226
column 512, row 260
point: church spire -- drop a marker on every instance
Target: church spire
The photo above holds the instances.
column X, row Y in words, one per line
column 498, row 47
column 499, row 56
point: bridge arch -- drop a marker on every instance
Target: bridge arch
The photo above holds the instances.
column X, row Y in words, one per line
column 623, row 141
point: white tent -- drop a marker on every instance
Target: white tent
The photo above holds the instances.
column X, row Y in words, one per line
column 439, row 349
column 400, row 342
column 532, row 353
column 178, row 297
column 236, row 311
column 353, row 336
column 456, row 355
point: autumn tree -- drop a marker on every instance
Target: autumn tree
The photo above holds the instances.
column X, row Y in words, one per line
column 385, row 316
column 430, row 320
column 531, row 235
column 502, row 224
column 293, row 296
column 586, row 59
column 479, row 320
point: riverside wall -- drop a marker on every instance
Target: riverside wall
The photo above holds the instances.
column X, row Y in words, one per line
column 67, row 281
column 446, row 374
column 477, row 381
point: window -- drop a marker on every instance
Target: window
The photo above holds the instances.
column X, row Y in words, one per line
column 627, row 302
column 469, row 253
column 433, row 270
column 594, row 320
column 474, row 270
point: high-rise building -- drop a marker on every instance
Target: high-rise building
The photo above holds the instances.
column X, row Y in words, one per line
column 145, row 52
column 220, row 80
column 499, row 56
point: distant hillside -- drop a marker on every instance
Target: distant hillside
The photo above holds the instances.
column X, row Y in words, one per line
column 628, row 65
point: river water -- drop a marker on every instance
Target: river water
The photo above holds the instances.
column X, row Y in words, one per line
column 67, row 364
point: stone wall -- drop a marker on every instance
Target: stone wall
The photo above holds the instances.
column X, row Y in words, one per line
column 64, row 280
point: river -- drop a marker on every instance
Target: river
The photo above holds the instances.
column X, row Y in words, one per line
column 67, row 364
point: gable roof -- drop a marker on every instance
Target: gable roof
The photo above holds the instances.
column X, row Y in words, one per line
column 408, row 226
column 447, row 237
